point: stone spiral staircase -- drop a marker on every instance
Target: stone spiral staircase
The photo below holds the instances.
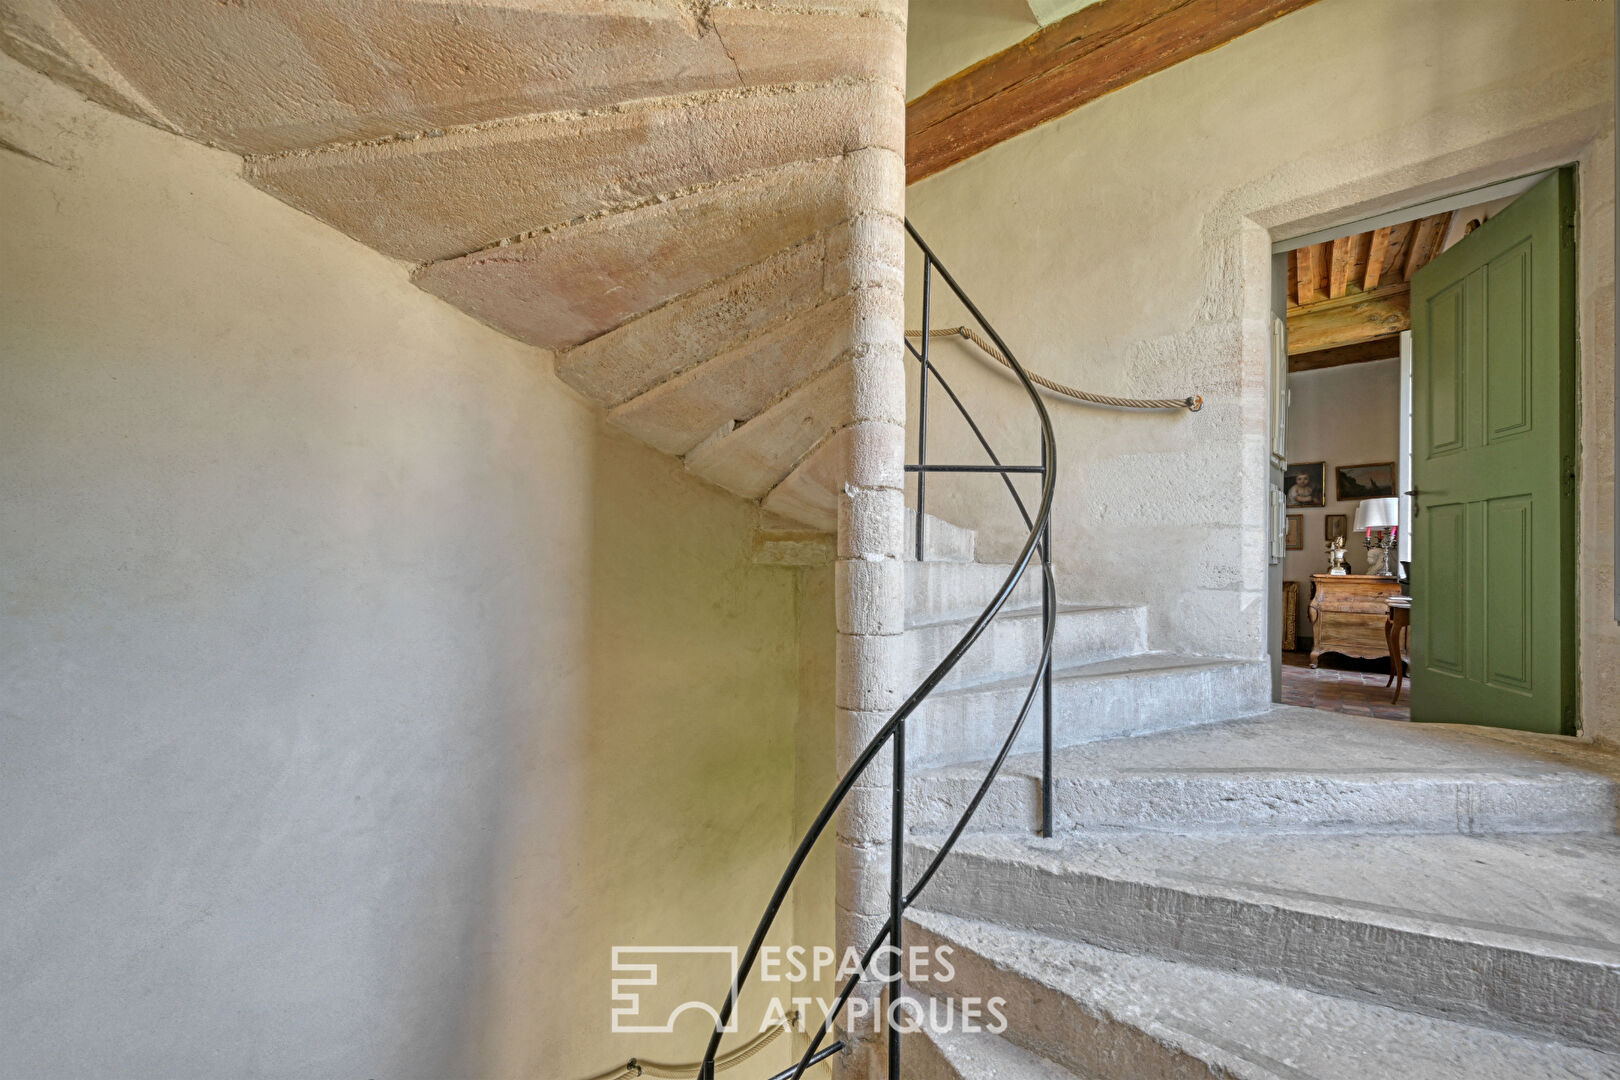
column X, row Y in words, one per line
column 694, row 205
column 1238, row 889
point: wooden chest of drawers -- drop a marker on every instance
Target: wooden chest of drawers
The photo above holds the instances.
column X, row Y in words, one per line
column 1348, row 612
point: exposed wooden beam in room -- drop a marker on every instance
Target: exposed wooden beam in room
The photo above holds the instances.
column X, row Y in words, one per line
column 1400, row 241
column 1356, row 289
column 1431, row 233
column 1341, row 268
column 1306, row 274
column 1350, row 319
column 1376, row 253
column 1378, row 348
column 1099, row 48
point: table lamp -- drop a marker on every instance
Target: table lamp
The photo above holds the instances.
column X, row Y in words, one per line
column 1383, row 517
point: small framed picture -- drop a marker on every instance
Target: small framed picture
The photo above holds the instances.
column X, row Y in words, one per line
column 1366, row 481
column 1294, row 532
column 1335, row 527
column 1305, row 484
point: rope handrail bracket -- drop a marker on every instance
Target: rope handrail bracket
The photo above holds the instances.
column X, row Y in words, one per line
column 1191, row 404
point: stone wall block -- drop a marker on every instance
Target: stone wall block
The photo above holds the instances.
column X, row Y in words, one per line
column 865, row 869
column 871, row 523
column 875, row 179
column 855, row 730
column 869, row 668
column 874, row 596
column 872, row 249
column 875, row 455
column 880, row 382
column 864, row 817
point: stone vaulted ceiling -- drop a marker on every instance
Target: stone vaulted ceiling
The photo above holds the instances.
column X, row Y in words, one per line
column 678, row 199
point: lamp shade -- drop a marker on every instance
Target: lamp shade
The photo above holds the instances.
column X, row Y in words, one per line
column 1377, row 514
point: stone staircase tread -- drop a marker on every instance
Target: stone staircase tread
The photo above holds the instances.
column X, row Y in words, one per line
column 1032, row 611
column 1126, row 666
column 1289, row 742
column 1551, row 895
column 980, row 1055
column 1229, row 1025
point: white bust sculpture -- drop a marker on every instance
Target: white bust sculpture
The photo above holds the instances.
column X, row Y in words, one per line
column 1337, row 562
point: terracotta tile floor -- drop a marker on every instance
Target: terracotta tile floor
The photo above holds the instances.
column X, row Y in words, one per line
column 1343, row 685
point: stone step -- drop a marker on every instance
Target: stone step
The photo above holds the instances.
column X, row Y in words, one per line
column 1296, row 770
column 941, row 1049
column 943, row 591
column 942, row 541
column 1117, row 1016
column 561, row 287
column 1516, row 933
column 461, row 189
column 1010, row 647
column 301, row 76
column 734, row 387
column 1133, row 695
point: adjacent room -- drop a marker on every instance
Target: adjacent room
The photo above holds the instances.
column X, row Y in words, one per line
column 1347, row 485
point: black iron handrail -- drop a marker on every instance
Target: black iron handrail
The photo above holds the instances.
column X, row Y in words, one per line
column 894, row 729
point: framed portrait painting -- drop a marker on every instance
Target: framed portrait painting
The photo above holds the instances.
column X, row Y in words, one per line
column 1366, row 481
column 1335, row 527
column 1305, row 485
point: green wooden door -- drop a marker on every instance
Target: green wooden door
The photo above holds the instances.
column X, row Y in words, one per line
column 1493, row 445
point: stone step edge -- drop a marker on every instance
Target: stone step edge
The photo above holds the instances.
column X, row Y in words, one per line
column 1095, row 670
column 1016, row 611
column 1436, row 943
column 1046, row 962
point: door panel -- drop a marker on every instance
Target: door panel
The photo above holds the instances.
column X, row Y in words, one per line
column 1509, row 391
column 1493, row 418
column 1509, row 594
column 1445, row 406
column 1445, row 530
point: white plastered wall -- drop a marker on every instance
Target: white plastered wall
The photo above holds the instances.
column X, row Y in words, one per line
column 358, row 689
column 1125, row 248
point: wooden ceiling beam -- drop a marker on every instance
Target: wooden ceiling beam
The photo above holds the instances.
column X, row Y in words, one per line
column 1341, row 268
column 1400, row 241
column 1376, row 253
column 1099, row 48
column 1384, row 347
column 1360, row 248
column 1351, row 319
column 1305, row 291
column 1431, row 233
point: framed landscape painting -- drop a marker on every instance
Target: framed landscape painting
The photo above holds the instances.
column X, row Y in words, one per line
column 1366, row 481
column 1306, row 485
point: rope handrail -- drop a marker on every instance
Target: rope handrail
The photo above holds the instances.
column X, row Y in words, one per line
column 1191, row 404
column 689, row 1070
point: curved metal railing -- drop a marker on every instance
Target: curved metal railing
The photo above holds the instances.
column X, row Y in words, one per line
column 893, row 731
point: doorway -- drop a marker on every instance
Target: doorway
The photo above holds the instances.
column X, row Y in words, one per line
column 1341, row 610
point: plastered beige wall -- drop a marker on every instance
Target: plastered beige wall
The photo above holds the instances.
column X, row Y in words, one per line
column 358, row 690
column 1126, row 248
